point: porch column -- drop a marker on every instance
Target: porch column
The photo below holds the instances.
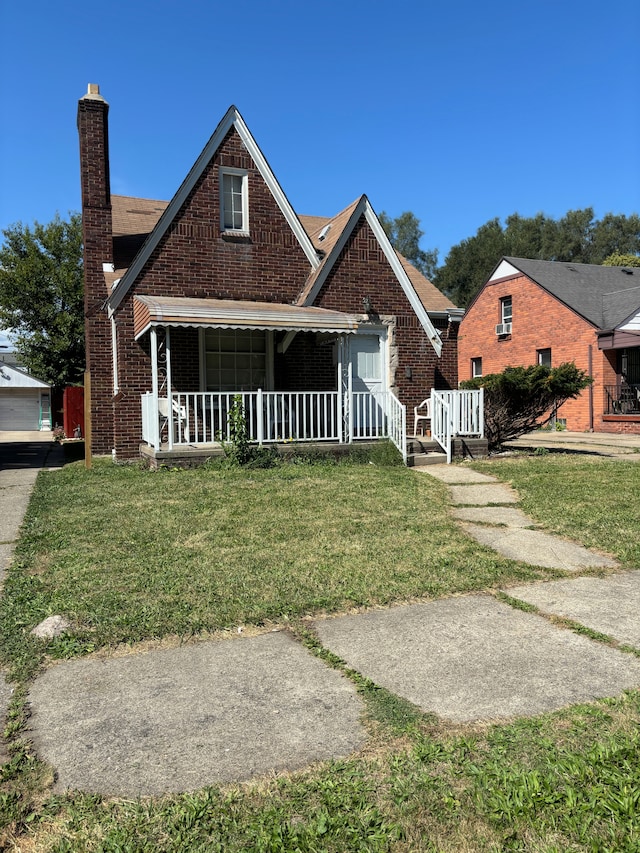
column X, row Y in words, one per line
column 154, row 388
column 349, row 402
column 167, row 348
column 340, row 413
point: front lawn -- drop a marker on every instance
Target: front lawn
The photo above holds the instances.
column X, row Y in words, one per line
column 128, row 555
column 132, row 555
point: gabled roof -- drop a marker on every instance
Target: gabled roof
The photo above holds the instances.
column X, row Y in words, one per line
column 432, row 299
column 13, row 377
column 605, row 296
column 344, row 224
column 140, row 224
column 231, row 119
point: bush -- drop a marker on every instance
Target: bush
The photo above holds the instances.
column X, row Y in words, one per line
column 522, row 399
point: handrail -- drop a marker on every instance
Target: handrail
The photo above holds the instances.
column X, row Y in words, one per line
column 441, row 421
column 456, row 413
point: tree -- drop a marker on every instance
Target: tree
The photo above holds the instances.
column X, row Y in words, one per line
column 521, row 399
column 576, row 237
column 404, row 234
column 618, row 259
column 41, row 297
column 470, row 263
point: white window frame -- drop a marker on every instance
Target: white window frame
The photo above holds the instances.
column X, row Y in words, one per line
column 541, row 356
column 475, row 364
column 242, row 173
column 504, row 317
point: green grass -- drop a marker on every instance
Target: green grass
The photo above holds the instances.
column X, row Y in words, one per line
column 594, row 501
column 131, row 555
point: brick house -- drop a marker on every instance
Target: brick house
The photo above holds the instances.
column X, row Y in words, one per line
column 323, row 328
column 550, row 312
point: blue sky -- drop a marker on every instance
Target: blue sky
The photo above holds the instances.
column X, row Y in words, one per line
column 459, row 111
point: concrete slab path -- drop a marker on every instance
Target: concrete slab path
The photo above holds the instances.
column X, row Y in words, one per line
column 486, row 513
column 597, row 444
column 474, row 658
column 609, row 605
column 179, row 719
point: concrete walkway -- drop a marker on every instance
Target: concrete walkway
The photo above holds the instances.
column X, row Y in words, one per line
column 211, row 712
column 485, row 509
column 22, row 457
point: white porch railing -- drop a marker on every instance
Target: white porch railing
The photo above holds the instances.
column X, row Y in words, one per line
column 454, row 414
column 274, row 416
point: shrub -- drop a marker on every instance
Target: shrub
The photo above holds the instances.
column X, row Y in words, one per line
column 521, row 399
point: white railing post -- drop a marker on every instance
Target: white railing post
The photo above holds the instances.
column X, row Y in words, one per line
column 154, row 388
column 350, row 417
column 481, row 413
column 260, row 418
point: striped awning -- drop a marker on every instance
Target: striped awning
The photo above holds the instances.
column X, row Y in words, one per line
column 151, row 311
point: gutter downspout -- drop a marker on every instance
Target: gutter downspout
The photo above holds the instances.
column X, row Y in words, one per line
column 114, row 352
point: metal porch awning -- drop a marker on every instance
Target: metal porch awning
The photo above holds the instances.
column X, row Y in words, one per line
column 152, row 311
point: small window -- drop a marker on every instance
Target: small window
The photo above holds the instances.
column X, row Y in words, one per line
column 476, row 367
column 544, row 357
column 506, row 310
column 234, row 208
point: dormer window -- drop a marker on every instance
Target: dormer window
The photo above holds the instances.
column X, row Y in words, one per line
column 234, row 201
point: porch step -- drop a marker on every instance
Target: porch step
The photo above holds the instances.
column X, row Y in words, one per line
column 418, row 460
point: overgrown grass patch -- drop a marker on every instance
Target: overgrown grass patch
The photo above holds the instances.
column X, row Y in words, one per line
column 132, row 555
column 566, row 781
column 594, row 501
column 128, row 554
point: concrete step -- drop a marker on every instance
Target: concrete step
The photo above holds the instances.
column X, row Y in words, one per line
column 422, row 444
column 417, row 460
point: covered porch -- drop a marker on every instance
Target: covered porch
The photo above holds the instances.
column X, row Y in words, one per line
column 621, row 400
column 254, row 355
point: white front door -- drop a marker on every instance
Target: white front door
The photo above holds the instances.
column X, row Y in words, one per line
column 368, row 379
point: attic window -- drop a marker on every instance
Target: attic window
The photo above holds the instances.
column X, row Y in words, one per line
column 234, row 201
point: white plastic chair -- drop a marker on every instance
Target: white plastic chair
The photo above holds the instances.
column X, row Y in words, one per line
column 179, row 411
column 421, row 413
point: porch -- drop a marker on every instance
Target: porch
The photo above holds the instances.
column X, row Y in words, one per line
column 195, row 424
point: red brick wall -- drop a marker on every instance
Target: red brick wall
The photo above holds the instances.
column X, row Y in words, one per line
column 195, row 260
column 363, row 270
column 539, row 322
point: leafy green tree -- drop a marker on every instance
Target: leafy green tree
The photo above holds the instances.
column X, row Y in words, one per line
column 576, row 237
column 404, row 233
column 470, row 263
column 618, row 259
column 521, row 399
column 41, row 297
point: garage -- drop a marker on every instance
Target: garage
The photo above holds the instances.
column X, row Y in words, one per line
column 24, row 401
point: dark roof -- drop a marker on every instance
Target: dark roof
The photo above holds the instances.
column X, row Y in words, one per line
column 605, row 296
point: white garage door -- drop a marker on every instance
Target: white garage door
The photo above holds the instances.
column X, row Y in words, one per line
column 19, row 411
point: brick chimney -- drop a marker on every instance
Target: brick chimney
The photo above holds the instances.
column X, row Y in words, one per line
column 97, row 236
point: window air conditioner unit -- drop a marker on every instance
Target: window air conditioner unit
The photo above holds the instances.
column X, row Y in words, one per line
column 503, row 329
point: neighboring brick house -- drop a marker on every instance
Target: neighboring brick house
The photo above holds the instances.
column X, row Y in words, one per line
column 225, row 289
column 550, row 312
